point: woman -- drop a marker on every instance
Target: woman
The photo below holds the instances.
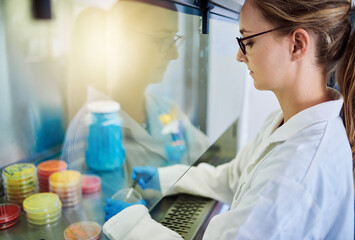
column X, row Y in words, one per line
column 116, row 55
column 294, row 180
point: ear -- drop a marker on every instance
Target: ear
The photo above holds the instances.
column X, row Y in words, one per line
column 299, row 44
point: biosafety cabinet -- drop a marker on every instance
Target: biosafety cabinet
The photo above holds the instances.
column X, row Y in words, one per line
column 91, row 89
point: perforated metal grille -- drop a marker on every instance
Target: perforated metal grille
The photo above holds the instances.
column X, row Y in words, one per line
column 187, row 215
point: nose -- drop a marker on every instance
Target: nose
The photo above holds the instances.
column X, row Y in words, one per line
column 241, row 57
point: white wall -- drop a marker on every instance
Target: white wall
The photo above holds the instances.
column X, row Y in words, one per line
column 226, row 79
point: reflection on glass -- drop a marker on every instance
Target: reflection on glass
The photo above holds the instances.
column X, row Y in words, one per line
column 115, row 55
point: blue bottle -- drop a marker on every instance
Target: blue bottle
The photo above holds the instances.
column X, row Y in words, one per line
column 104, row 146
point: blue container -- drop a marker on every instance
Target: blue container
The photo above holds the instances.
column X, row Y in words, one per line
column 104, row 150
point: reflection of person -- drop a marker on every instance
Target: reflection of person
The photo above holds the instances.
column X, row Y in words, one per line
column 294, row 180
column 116, row 55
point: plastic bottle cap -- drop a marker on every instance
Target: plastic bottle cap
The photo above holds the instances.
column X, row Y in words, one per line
column 103, row 107
column 19, row 171
column 51, row 166
column 82, row 230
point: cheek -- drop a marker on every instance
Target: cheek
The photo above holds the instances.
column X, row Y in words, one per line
column 268, row 68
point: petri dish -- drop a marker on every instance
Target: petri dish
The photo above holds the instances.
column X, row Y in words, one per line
column 43, row 178
column 9, row 214
column 71, row 188
column 68, row 195
column 19, row 191
column 90, row 184
column 19, row 171
column 8, row 224
column 41, row 203
column 127, row 195
column 20, row 182
column 19, row 198
column 65, row 179
column 43, row 184
column 82, row 230
column 48, row 167
column 46, row 220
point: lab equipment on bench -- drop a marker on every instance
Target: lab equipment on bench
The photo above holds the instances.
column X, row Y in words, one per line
column 20, row 182
column 131, row 189
column 83, row 230
column 104, row 148
column 9, row 214
column 67, row 185
column 90, row 184
column 47, row 168
column 42, row 208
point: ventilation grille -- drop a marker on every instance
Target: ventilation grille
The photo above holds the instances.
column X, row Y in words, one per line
column 187, row 215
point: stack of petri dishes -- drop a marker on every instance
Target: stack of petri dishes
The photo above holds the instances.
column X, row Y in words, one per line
column 90, row 184
column 66, row 185
column 83, row 230
column 45, row 169
column 9, row 214
column 42, row 208
column 20, row 182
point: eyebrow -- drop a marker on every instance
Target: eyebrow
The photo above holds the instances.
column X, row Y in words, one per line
column 242, row 31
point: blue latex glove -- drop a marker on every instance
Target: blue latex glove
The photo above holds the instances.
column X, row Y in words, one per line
column 115, row 206
column 148, row 177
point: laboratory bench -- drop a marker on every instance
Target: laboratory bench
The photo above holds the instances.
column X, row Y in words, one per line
column 185, row 214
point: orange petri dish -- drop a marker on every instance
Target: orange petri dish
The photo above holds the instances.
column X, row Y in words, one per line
column 82, row 230
column 48, row 167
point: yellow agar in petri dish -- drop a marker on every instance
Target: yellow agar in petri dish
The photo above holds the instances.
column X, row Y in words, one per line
column 44, row 221
column 42, row 204
column 19, row 171
column 65, row 178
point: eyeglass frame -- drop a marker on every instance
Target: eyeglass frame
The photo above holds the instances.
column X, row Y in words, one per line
column 175, row 39
column 242, row 45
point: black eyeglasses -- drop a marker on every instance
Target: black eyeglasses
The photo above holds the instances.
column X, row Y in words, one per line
column 242, row 45
column 165, row 43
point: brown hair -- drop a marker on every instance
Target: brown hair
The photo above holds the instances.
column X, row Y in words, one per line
column 330, row 21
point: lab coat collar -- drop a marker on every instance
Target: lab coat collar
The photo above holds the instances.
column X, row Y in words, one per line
column 140, row 135
column 315, row 114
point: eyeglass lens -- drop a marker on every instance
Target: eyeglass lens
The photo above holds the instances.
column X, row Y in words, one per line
column 168, row 42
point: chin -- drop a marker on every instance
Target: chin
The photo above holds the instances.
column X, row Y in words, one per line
column 258, row 85
column 157, row 77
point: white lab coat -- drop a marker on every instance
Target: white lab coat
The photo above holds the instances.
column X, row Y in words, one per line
column 291, row 182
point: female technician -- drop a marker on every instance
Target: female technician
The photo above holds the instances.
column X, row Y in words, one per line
column 295, row 179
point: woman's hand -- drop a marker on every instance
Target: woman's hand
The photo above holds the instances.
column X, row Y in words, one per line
column 115, row 206
column 148, row 177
